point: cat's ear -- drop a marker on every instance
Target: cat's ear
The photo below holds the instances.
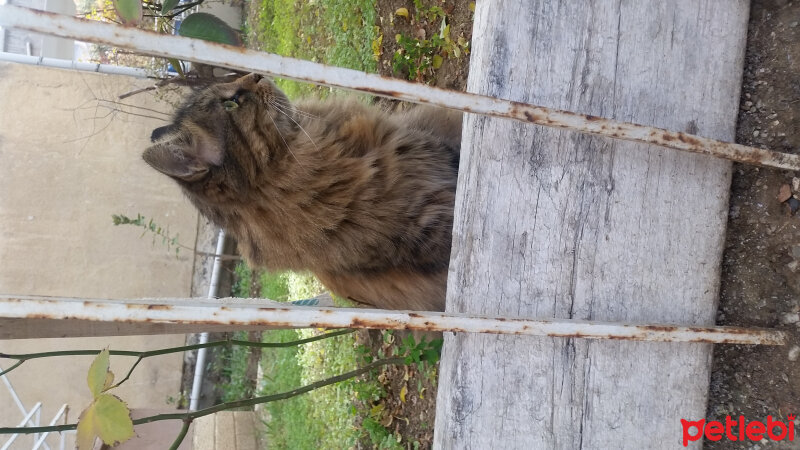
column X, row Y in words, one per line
column 181, row 159
column 159, row 132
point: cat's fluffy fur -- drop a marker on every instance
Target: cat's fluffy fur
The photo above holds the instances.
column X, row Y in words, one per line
column 361, row 198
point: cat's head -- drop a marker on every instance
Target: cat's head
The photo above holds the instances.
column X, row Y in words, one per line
column 223, row 135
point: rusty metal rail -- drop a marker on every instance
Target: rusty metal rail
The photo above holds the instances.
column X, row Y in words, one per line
column 248, row 60
column 247, row 313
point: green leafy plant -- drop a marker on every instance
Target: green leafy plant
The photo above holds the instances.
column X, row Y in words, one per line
column 418, row 57
column 150, row 226
column 167, row 239
column 232, row 365
column 130, row 12
column 429, row 13
column 419, row 353
column 375, row 418
column 379, row 435
column 208, row 28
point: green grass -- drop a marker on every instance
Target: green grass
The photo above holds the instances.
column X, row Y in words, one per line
column 332, row 413
column 321, row 419
column 274, row 286
column 335, row 32
column 288, row 426
column 233, row 367
column 232, row 362
column 242, row 280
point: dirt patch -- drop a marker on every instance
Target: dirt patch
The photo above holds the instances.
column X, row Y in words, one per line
column 409, row 407
column 760, row 278
column 421, row 25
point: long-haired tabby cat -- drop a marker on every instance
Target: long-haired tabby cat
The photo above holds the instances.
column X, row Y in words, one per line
column 361, row 198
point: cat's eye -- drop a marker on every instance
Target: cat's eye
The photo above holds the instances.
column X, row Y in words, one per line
column 233, row 102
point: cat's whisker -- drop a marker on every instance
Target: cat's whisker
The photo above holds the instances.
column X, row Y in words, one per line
column 298, row 125
column 291, row 107
column 289, row 103
column 277, row 130
column 305, row 114
column 280, row 101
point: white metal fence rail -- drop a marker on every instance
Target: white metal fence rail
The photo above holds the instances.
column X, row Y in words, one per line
column 249, row 60
column 188, row 310
column 32, row 418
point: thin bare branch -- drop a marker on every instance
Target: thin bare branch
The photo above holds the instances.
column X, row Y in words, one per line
column 190, row 416
column 21, row 358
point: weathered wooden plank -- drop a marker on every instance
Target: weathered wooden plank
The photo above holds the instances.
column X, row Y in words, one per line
column 553, row 223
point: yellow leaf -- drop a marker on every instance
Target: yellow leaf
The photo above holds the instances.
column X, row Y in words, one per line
column 472, row 6
column 402, row 12
column 376, row 47
column 107, row 418
column 403, row 393
column 98, row 374
column 109, row 380
column 437, row 61
column 85, row 435
column 377, row 411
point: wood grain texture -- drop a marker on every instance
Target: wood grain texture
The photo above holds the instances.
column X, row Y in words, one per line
column 552, row 223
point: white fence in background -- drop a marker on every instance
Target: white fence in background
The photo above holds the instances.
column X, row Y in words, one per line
column 32, row 418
